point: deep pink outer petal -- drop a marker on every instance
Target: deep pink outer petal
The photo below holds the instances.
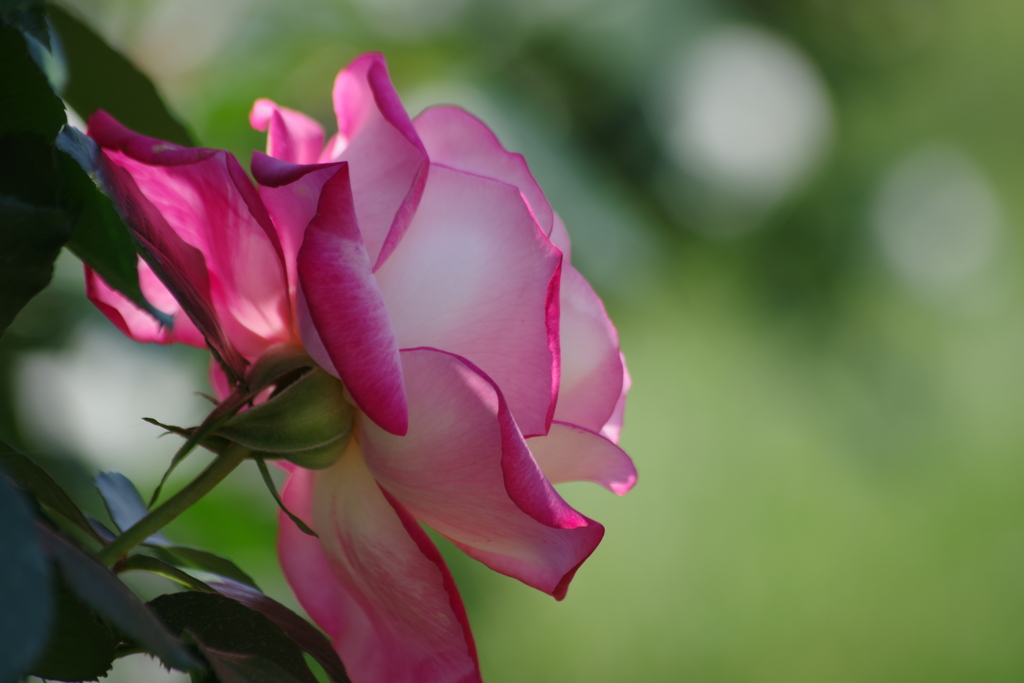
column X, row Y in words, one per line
column 465, row 470
column 571, row 453
column 592, row 369
column 136, row 323
column 475, row 276
column 387, row 161
column 373, row 581
column 203, row 199
column 454, row 137
column 347, row 310
column 291, row 135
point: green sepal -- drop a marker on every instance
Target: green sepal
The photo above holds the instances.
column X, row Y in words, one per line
column 309, row 415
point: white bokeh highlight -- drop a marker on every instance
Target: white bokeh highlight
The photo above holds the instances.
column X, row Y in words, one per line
column 936, row 218
column 90, row 398
column 749, row 113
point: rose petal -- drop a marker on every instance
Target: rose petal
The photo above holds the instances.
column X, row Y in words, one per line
column 373, row 581
column 475, row 276
column 206, row 200
column 465, row 470
column 291, row 135
column 291, row 193
column 137, row 323
column 613, row 427
column 454, row 137
column 571, row 453
column 560, row 238
column 592, row 370
column 387, row 160
column 347, row 310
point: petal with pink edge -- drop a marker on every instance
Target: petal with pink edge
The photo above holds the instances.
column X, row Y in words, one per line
column 178, row 265
column 208, row 202
column 291, row 135
column 135, row 322
column 454, row 137
column 347, row 310
column 475, row 276
column 613, row 427
column 591, row 381
column 373, row 581
column 572, row 453
column 387, row 160
column 291, row 193
column 465, row 470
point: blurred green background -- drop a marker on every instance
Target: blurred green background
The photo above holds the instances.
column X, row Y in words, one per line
column 804, row 217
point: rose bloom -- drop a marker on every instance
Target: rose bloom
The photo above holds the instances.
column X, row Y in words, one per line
column 419, row 262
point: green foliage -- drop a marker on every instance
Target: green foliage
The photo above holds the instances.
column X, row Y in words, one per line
column 101, row 590
column 37, row 481
column 193, row 558
column 29, row 244
column 152, row 565
column 231, row 667
column 80, row 646
column 234, row 637
column 49, row 197
column 304, row 634
column 124, row 503
column 27, row 104
column 101, row 78
column 25, row 616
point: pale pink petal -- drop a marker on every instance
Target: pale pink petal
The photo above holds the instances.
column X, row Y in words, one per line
column 591, row 382
column 454, row 137
column 560, row 238
column 387, row 160
column 208, row 203
column 571, row 453
column 347, row 310
column 291, row 193
column 137, row 323
column 373, row 581
column 475, row 276
column 613, row 427
column 291, row 135
column 465, row 470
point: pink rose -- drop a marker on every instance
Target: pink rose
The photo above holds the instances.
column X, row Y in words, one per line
column 420, row 263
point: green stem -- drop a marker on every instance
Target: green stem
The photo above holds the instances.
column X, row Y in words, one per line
column 175, row 505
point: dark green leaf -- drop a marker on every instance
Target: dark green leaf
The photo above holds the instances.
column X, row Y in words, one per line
column 124, row 503
column 27, row 104
column 101, row 78
column 229, row 627
column 302, row 633
column 280, row 503
column 29, row 17
column 100, row 238
column 99, row 588
column 29, row 243
column 80, row 647
column 145, row 563
column 26, row 602
column 181, row 556
column 35, row 480
column 231, row 667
